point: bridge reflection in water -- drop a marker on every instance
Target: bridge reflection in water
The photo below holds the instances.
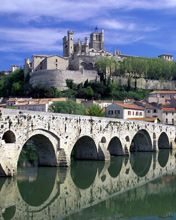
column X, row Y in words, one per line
column 142, row 185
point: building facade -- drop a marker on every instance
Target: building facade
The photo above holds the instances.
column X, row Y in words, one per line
column 161, row 97
column 124, row 111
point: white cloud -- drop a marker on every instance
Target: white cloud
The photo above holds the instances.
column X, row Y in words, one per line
column 117, row 25
column 30, row 39
column 75, row 10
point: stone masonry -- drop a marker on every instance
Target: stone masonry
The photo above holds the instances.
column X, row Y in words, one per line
column 59, row 136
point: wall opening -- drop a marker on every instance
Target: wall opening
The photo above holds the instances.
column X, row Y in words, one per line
column 115, row 147
column 85, row 149
column 163, row 141
column 9, row 137
column 37, row 151
column 141, row 142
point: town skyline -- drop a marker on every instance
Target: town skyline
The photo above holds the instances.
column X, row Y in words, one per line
column 140, row 28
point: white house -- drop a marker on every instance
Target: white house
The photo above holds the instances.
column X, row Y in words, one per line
column 124, row 111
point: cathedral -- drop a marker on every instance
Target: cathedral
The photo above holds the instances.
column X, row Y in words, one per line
column 83, row 54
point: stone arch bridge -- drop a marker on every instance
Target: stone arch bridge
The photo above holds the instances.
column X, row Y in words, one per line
column 60, row 136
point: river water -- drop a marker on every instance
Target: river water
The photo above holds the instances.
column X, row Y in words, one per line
column 142, row 187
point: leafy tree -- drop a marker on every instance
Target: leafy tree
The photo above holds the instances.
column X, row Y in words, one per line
column 68, row 107
column 106, row 65
column 95, row 110
column 148, row 68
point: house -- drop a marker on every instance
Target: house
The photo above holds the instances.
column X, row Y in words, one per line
column 162, row 96
column 153, row 110
column 33, row 104
column 169, row 115
column 124, row 110
column 102, row 103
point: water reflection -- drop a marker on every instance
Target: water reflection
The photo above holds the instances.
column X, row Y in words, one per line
column 115, row 166
column 140, row 163
column 94, row 190
column 9, row 213
column 83, row 173
column 163, row 157
column 35, row 184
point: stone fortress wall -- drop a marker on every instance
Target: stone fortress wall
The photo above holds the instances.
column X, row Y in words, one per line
column 57, row 78
column 142, row 83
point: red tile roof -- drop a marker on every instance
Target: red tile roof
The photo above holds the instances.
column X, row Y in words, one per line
column 167, row 109
column 129, row 106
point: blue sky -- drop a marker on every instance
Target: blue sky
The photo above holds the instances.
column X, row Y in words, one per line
column 135, row 27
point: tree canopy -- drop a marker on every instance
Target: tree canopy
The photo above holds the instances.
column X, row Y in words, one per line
column 68, row 107
column 157, row 68
column 95, row 110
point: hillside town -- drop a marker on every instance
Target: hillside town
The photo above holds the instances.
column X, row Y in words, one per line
column 78, row 63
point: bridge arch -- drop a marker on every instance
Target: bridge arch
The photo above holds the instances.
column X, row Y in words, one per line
column 141, row 142
column 9, row 137
column 46, row 146
column 163, row 141
column 115, row 147
column 85, row 149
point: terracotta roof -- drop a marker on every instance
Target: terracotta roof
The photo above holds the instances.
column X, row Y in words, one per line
column 129, row 106
column 164, row 92
column 167, row 109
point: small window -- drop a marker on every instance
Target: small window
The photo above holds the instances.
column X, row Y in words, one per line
column 148, row 111
column 166, row 121
column 173, row 121
column 136, row 113
column 56, row 60
column 140, row 113
column 129, row 112
column 118, row 112
column 155, row 111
